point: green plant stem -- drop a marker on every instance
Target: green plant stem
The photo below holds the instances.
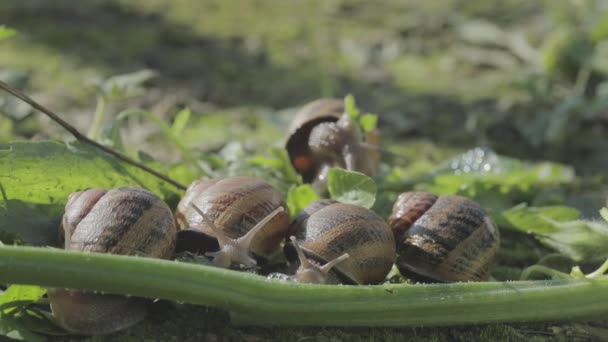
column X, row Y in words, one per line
column 98, row 118
column 254, row 300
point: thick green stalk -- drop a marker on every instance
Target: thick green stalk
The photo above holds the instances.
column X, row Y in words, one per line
column 256, row 300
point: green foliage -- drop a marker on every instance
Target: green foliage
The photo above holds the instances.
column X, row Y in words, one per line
column 367, row 122
column 124, row 86
column 36, row 179
column 16, row 321
column 453, row 73
column 561, row 229
column 498, row 182
column 6, row 32
column 21, row 293
column 299, row 197
column 180, row 121
column 351, row 187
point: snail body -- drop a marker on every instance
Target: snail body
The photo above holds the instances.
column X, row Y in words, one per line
column 443, row 238
column 322, row 136
column 127, row 221
column 327, row 230
column 242, row 214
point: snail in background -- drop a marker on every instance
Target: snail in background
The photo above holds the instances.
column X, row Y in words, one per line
column 127, row 221
column 322, row 135
column 443, row 238
column 340, row 243
column 232, row 220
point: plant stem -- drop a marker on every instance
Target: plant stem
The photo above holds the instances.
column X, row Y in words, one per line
column 98, row 118
column 254, row 300
column 81, row 137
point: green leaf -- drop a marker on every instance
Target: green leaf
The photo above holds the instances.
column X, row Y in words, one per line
column 279, row 161
column 350, row 106
column 181, row 119
column 6, row 32
column 368, row 122
column 12, row 328
column 351, row 187
column 299, row 197
column 21, row 293
column 604, row 213
column 534, row 219
column 126, row 85
column 497, row 181
column 560, row 228
column 37, row 177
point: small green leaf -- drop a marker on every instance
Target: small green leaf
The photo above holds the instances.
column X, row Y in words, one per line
column 604, row 213
column 126, row 85
column 559, row 228
column 6, row 32
column 351, row 187
column 368, row 122
column 534, row 219
column 350, row 106
column 181, row 120
column 299, row 197
column 21, row 293
column 16, row 322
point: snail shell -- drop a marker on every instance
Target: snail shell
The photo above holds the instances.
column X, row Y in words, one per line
column 443, row 238
column 313, row 113
column 235, row 205
column 128, row 221
column 326, row 230
column 322, row 136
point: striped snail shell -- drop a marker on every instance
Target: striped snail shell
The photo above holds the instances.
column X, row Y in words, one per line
column 127, row 221
column 443, row 238
column 241, row 215
column 326, row 230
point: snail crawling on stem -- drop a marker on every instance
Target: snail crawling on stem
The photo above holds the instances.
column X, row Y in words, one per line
column 443, row 238
column 322, row 135
column 232, row 220
column 340, row 243
column 127, row 221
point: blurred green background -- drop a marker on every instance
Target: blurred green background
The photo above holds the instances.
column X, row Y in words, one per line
column 524, row 78
column 527, row 79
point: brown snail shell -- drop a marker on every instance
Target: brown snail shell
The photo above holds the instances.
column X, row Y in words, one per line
column 235, row 205
column 326, row 230
column 322, row 135
column 127, row 221
column 443, row 238
column 313, row 113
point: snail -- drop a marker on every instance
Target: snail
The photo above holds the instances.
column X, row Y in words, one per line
column 127, row 221
column 443, row 238
column 355, row 243
column 229, row 219
column 322, row 136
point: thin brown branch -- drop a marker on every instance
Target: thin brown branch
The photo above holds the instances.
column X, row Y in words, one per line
column 81, row 137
